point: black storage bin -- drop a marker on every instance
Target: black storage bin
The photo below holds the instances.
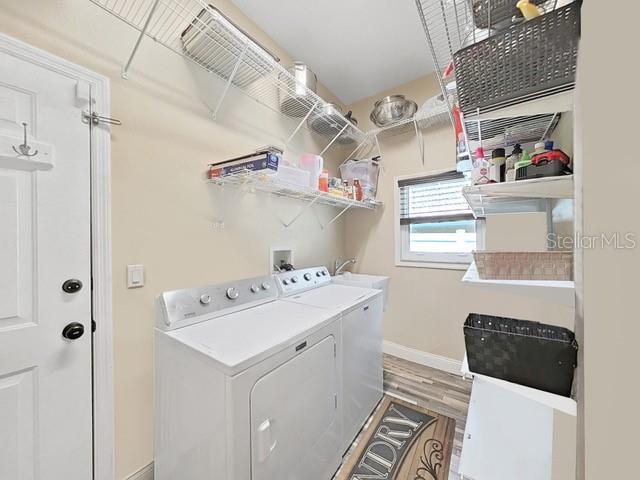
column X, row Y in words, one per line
column 553, row 168
column 527, row 61
column 498, row 12
column 518, row 351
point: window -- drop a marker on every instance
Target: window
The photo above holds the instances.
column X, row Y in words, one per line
column 435, row 222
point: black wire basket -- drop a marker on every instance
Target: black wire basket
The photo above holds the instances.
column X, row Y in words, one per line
column 519, row 351
column 527, row 61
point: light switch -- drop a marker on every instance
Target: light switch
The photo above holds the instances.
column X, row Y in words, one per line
column 135, row 276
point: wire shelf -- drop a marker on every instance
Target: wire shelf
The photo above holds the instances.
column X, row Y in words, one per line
column 423, row 119
column 200, row 33
column 261, row 182
column 519, row 196
column 506, row 132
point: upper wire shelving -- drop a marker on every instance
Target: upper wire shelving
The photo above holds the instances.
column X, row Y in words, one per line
column 199, row 32
column 449, row 26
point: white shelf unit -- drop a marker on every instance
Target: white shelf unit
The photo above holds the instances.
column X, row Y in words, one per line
column 558, row 292
column 538, row 434
column 201, row 34
column 505, row 197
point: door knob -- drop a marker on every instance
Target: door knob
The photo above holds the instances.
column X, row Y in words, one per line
column 73, row 331
column 72, row 285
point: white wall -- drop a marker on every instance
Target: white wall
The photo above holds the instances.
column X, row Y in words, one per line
column 607, row 286
column 163, row 209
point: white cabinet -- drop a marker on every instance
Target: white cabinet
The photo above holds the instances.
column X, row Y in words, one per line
column 362, row 365
column 510, row 435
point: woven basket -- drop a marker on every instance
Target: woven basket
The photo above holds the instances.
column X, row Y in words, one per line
column 500, row 11
column 524, row 62
column 524, row 265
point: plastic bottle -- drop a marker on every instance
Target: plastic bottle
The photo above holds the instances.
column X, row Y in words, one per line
column 358, row 190
column 510, row 165
column 497, row 165
column 539, row 148
column 480, row 172
column 323, row 181
column 524, row 162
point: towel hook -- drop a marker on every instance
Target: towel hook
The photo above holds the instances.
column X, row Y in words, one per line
column 24, row 149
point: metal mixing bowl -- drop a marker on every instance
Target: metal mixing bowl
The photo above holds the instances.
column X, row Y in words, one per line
column 392, row 109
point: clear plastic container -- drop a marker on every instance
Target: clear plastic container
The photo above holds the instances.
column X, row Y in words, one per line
column 312, row 164
column 366, row 172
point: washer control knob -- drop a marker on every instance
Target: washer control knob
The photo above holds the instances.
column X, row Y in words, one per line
column 294, row 279
column 318, row 273
column 307, row 276
column 285, row 281
column 266, row 285
column 232, row 293
column 205, row 299
column 255, row 288
column 324, row 273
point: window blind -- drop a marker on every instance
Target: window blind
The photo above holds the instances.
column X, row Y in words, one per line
column 434, row 198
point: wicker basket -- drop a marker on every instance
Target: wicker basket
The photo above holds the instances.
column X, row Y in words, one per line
column 500, row 11
column 531, row 60
column 524, row 265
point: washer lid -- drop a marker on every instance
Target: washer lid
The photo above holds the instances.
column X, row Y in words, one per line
column 332, row 297
column 242, row 339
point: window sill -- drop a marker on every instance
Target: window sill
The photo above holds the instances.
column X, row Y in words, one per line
column 433, row 265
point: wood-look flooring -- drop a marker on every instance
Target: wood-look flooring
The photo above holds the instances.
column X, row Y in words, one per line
column 433, row 389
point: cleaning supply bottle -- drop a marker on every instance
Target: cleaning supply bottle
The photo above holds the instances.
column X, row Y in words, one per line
column 497, row 165
column 323, row 181
column 539, row 148
column 480, row 172
column 521, row 166
column 510, row 165
column 528, row 9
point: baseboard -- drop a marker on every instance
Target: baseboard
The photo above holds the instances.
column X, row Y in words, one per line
column 423, row 358
column 145, row 473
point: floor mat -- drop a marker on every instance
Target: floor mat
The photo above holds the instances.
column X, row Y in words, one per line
column 402, row 442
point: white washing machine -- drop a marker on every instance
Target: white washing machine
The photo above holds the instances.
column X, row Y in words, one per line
column 360, row 310
column 247, row 386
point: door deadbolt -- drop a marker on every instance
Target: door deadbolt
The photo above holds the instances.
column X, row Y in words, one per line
column 73, row 331
column 72, row 285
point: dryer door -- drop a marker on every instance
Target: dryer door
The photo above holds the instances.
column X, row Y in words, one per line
column 295, row 427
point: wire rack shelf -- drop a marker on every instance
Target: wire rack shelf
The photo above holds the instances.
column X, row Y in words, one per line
column 199, row 32
column 261, row 182
column 506, row 132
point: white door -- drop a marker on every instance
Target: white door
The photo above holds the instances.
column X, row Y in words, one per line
column 295, row 426
column 45, row 378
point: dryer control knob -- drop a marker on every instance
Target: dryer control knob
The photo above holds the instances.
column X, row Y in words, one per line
column 255, row 288
column 205, row 299
column 294, row 279
column 266, row 286
column 307, row 276
column 285, row 282
column 318, row 273
column 232, row 293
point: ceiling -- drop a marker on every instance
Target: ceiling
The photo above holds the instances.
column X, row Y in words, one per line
column 357, row 48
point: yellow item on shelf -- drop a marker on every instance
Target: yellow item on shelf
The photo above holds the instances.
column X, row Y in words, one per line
column 528, row 9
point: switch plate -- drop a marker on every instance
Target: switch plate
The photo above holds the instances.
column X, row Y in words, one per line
column 135, row 276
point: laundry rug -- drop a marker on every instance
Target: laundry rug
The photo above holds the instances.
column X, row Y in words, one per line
column 402, row 442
